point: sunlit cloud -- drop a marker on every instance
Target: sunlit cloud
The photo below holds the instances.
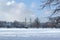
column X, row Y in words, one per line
column 9, row 3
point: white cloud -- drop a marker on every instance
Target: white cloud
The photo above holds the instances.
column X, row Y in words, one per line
column 48, row 11
column 15, row 11
column 33, row 5
column 10, row 3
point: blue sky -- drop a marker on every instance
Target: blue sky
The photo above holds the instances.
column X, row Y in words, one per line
column 11, row 10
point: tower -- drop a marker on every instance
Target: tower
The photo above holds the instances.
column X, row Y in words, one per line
column 30, row 22
column 25, row 22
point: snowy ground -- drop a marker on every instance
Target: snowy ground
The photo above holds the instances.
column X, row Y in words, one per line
column 30, row 34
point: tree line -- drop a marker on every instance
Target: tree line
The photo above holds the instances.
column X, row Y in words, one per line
column 17, row 24
column 52, row 23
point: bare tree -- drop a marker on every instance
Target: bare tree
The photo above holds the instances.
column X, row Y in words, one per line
column 49, row 3
column 37, row 23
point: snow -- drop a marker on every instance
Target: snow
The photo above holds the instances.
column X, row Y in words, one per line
column 29, row 34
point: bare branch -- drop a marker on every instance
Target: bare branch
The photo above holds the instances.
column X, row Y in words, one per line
column 48, row 3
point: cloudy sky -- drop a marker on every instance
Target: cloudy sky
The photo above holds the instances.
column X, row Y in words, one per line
column 11, row 10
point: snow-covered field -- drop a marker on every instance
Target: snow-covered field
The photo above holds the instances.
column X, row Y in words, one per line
column 30, row 34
